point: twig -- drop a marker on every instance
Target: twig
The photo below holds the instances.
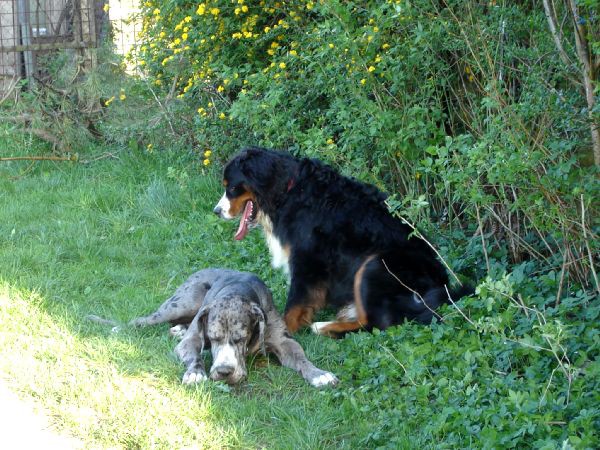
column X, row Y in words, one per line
column 458, row 309
column 411, row 290
column 485, row 254
column 556, row 34
column 420, row 236
column 587, row 245
column 399, row 363
column 97, row 158
column 165, row 111
column 562, row 278
column 40, row 158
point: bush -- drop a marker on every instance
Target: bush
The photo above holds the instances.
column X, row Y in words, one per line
column 411, row 96
column 466, row 114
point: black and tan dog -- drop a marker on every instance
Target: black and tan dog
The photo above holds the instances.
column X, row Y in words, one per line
column 337, row 241
column 233, row 314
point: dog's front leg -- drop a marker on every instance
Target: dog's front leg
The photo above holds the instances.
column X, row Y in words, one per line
column 189, row 351
column 291, row 355
column 305, row 297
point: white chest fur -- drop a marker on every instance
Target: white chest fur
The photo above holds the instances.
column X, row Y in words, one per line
column 280, row 255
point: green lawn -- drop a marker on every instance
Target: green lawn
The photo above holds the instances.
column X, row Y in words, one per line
column 115, row 238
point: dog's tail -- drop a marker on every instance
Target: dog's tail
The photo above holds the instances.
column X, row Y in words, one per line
column 453, row 295
column 97, row 319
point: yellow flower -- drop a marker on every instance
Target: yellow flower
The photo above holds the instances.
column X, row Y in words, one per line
column 222, row 116
column 244, row 8
column 363, row 81
column 109, row 101
column 220, row 88
column 293, row 53
column 201, row 9
column 184, row 37
column 158, row 82
column 156, row 11
column 310, row 5
column 282, row 65
column 122, row 96
column 142, row 62
column 207, row 153
column 206, row 162
column 385, row 46
column 375, row 29
column 331, row 46
column 330, row 141
column 177, row 41
column 215, row 11
column 371, row 69
column 237, row 35
column 162, row 34
column 237, row 11
column 267, row 29
column 178, row 26
column 106, row 7
column 188, row 19
column 378, row 59
column 149, row 148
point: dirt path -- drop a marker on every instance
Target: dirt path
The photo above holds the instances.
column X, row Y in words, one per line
column 23, row 427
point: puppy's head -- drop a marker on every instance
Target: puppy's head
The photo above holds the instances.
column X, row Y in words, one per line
column 254, row 181
column 235, row 327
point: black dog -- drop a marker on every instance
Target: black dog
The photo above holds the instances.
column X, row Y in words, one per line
column 337, row 241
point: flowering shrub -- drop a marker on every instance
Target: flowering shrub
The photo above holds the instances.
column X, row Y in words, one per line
column 409, row 95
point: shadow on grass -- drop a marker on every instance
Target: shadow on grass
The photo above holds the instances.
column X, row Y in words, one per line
column 115, row 239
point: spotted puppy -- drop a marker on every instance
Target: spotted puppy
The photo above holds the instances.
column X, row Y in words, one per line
column 232, row 313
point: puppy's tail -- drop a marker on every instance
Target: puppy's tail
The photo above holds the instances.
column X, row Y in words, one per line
column 97, row 319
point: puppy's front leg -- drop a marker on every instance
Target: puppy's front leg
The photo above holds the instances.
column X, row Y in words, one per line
column 291, row 355
column 189, row 351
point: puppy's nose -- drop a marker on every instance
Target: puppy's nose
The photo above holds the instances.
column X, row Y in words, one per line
column 224, row 371
column 218, row 210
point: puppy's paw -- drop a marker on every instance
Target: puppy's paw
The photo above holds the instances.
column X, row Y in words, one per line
column 193, row 377
column 322, row 378
column 178, row 331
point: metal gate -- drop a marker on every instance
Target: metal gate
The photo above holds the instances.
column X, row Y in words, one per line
column 31, row 27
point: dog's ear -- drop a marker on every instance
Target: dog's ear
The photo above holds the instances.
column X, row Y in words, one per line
column 259, row 316
column 200, row 318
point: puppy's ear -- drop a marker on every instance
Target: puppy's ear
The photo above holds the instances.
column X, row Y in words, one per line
column 200, row 319
column 259, row 316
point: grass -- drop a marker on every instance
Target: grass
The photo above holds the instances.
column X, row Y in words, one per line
column 115, row 238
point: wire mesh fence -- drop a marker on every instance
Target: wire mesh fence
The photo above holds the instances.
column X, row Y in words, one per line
column 32, row 28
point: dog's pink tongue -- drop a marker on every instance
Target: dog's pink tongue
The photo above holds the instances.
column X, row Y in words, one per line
column 243, row 228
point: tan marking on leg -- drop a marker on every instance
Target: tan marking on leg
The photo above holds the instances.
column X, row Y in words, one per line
column 302, row 314
column 333, row 329
column 361, row 313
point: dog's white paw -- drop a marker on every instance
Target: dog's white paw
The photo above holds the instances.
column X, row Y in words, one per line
column 317, row 327
column 178, row 331
column 324, row 379
column 193, row 377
